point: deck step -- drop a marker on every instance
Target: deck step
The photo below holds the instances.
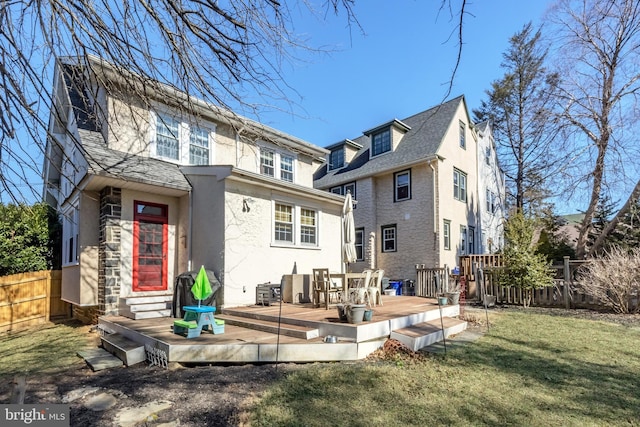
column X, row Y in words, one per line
column 124, row 349
column 424, row 334
column 270, row 326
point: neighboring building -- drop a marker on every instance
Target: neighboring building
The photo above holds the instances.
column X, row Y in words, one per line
column 417, row 186
column 491, row 192
column 149, row 192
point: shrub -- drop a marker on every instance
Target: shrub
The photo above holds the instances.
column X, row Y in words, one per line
column 523, row 267
column 613, row 279
column 29, row 237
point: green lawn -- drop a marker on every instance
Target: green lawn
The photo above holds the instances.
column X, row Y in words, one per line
column 45, row 349
column 531, row 369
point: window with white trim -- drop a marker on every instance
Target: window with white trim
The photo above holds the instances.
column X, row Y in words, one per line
column 359, row 244
column 402, row 186
column 336, row 158
column 295, row 225
column 198, row 146
column 283, row 225
column 491, row 201
column 182, row 142
column 308, row 227
column 344, row 189
column 381, row 142
column 463, row 239
column 446, row 234
column 463, row 134
column 70, row 231
column 459, row 185
column 277, row 165
column 389, row 238
column 167, row 137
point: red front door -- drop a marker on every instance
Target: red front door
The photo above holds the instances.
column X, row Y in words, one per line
column 149, row 247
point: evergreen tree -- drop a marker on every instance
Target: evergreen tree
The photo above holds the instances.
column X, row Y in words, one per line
column 518, row 107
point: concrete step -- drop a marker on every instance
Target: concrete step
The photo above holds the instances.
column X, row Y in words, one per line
column 124, row 349
column 289, row 330
column 144, row 314
column 131, row 300
column 424, row 334
column 99, row 359
column 146, row 307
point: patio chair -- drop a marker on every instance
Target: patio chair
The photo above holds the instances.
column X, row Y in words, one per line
column 374, row 289
column 323, row 287
column 359, row 294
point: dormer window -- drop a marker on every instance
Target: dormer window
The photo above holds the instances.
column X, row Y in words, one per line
column 381, row 142
column 336, row 158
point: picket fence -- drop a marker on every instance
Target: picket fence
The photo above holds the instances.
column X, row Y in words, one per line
column 478, row 275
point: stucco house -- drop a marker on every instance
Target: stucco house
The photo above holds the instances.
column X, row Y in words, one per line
column 491, row 191
column 148, row 190
column 419, row 188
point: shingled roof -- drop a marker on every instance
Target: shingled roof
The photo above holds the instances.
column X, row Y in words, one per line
column 421, row 142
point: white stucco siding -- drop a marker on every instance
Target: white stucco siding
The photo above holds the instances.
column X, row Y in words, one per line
column 126, row 222
column 252, row 256
column 458, row 213
column 129, row 127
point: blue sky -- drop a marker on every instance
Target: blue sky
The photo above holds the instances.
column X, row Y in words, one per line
column 399, row 67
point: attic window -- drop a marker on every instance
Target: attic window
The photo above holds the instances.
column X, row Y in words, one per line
column 336, row 158
column 381, row 142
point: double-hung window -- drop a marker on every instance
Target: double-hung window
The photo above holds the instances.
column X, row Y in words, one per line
column 463, row 133
column 70, row 231
column 471, row 238
column 389, row 238
column 267, row 164
column 168, row 137
column 402, row 186
column 344, row 189
column 308, row 227
column 463, row 239
column 277, row 165
column 198, row 146
column 446, row 234
column 459, row 185
column 295, row 225
column 283, row 225
column 286, row 168
column 181, row 141
column 381, row 142
column 359, row 244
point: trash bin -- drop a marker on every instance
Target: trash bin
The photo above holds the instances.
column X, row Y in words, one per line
column 397, row 285
column 182, row 292
column 409, row 287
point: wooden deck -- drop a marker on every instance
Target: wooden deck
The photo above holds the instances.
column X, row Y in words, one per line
column 287, row 332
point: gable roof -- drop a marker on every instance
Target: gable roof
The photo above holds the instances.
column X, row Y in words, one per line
column 421, row 142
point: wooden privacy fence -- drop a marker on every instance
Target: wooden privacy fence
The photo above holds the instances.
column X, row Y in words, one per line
column 28, row 299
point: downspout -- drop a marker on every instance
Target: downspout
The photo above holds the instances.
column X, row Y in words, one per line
column 435, row 198
column 190, row 228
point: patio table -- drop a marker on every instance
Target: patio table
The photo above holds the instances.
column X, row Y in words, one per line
column 202, row 315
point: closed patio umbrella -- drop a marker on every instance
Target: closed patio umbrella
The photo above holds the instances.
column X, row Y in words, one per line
column 349, row 231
